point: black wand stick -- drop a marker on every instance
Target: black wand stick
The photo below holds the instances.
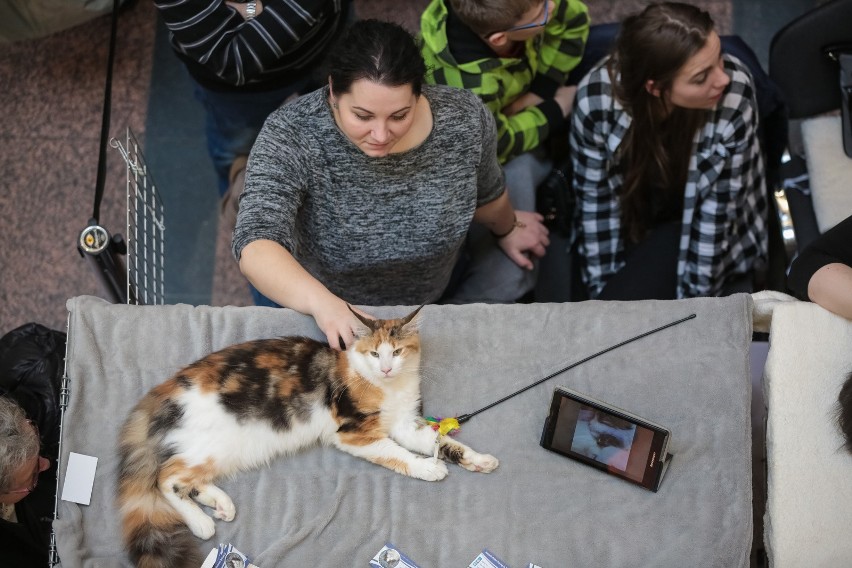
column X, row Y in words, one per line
column 465, row 417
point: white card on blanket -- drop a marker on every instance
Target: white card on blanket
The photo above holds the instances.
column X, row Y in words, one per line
column 79, row 478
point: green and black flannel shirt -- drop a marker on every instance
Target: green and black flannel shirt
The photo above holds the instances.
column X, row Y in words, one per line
column 457, row 57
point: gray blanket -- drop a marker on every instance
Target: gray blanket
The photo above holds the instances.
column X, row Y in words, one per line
column 326, row 508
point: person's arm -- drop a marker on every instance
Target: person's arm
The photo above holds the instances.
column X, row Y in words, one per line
column 562, row 46
column 730, row 217
column 519, row 232
column 822, row 273
column 278, row 175
column 279, row 276
column 597, row 224
column 524, row 123
column 218, row 36
column 831, row 288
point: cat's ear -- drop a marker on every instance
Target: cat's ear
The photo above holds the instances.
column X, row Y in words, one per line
column 411, row 322
column 369, row 325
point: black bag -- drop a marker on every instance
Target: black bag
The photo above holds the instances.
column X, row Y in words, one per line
column 31, row 366
column 555, row 200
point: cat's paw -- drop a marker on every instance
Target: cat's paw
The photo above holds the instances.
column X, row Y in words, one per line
column 482, row 463
column 429, row 469
column 201, row 526
column 225, row 509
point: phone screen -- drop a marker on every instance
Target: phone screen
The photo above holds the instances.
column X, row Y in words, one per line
column 604, row 439
column 607, row 439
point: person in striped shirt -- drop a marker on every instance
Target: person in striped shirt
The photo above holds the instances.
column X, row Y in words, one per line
column 245, row 59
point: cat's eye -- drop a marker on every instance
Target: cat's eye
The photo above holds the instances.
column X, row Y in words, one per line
column 397, row 352
column 374, row 353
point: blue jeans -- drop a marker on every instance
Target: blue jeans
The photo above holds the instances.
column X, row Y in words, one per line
column 234, row 120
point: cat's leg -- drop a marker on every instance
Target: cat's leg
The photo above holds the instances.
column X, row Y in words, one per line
column 456, row 452
column 176, row 482
column 414, row 436
column 385, row 452
column 421, row 439
column 215, row 498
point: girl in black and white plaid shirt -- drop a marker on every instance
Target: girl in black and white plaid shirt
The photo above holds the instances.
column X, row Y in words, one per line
column 667, row 165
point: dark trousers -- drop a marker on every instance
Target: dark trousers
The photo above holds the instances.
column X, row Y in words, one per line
column 650, row 272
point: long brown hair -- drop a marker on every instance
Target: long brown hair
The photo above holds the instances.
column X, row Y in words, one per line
column 656, row 149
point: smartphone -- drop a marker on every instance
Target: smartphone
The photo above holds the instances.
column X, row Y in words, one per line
column 607, row 438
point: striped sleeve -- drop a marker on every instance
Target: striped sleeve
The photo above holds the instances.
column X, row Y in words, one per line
column 237, row 50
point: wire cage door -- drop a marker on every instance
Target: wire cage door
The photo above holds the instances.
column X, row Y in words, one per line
column 141, row 281
column 145, row 228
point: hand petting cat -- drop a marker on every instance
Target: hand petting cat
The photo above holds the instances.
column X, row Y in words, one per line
column 336, row 321
column 264, row 261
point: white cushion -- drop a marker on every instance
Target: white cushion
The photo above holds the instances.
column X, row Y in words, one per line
column 809, row 493
column 830, row 170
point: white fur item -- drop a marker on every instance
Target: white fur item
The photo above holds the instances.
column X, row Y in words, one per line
column 809, row 499
column 830, row 170
column 764, row 303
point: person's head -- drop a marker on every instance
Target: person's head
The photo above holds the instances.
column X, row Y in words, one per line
column 500, row 22
column 20, row 462
column 668, row 56
column 375, row 78
column 667, row 72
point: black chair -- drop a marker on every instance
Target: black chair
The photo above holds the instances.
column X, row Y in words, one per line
column 802, row 63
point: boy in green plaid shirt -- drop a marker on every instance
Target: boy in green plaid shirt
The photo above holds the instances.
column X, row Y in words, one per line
column 515, row 54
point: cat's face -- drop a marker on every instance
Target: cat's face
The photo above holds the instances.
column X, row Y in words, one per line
column 386, row 350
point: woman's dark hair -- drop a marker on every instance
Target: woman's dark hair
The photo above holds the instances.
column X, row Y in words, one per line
column 654, row 45
column 381, row 52
column 844, row 412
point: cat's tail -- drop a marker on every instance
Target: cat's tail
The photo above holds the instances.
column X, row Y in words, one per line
column 154, row 533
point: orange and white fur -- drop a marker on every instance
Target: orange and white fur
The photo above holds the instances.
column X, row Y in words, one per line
column 240, row 407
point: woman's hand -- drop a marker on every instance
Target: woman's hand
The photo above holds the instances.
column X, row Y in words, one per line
column 241, row 8
column 528, row 236
column 336, row 321
column 279, row 276
column 522, row 102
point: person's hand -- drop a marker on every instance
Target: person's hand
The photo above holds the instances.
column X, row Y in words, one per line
column 564, row 97
column 336, row 321
column 241, row 8
column 522, row 102
column 531, row 238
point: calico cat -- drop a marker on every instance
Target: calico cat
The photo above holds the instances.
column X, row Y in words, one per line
column 240, row 407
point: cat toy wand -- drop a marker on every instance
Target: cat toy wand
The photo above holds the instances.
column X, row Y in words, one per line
column 448, row 425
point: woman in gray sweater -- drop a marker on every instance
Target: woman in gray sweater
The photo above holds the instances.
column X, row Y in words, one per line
column 363, row 191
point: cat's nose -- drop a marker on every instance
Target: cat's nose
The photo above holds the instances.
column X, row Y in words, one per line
column 387, row 371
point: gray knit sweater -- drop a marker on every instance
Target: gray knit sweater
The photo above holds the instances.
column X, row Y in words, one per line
column 374, row 231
